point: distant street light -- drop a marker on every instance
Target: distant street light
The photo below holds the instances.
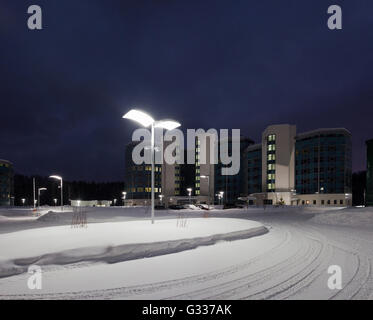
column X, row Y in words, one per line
column 23, row 201
column 124, row 193
column 61, row 185
column 55, row 202
column 146, row 120
column 161, row 198
column 221, row 193
column 208, row 183
column 190, row 194
column 40, row 189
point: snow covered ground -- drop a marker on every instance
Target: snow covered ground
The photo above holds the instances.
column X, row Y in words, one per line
column 288, row 262
column 350, row 217
column 115, row 241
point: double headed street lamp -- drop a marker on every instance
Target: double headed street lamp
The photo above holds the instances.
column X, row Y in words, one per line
column 61, row 186
column 40, row 189
column 146, row 120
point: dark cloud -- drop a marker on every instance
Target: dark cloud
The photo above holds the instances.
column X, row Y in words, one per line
column 238, row 64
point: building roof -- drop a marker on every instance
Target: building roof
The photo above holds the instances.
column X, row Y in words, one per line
column 254, row 147
column 5, row 161
column 323, row 131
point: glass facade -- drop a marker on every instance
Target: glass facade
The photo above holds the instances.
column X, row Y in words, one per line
column 369, row 187
column 323, row 162
column 6, row 183
column 254, row 169
column 233, row 186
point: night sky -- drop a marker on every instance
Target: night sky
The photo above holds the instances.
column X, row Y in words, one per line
column 209, row 64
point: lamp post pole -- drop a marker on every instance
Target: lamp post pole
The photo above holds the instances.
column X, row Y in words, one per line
column 208, row 184
column 61, row 195
column 152, row 174
column 61, row 186
column 40, row 189
column 33, row 184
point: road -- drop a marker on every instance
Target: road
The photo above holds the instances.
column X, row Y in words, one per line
column 290, row 262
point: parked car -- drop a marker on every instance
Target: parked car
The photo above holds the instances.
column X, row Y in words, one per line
column 176, row 207
column 159, row 207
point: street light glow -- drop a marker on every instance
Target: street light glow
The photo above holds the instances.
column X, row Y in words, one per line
column 146, row 120
column 56, row 177
column 140, row 117
column 167, row 124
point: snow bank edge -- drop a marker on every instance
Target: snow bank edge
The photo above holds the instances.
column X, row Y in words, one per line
column 121, row 253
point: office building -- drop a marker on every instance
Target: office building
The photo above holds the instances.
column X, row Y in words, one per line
column 138, row 180
column 311, row 168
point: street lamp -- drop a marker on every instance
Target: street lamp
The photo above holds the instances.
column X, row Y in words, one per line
column 190, row 194
column 161, row 198
column 55, row 202
column 23, row 201
column 208, row 183
column 146, row 120
column 61, row 185
column 40, row 189
column 124, row 196
column 221, row 193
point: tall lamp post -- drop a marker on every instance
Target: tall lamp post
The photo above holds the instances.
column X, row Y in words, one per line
column 61, row 185
column 208, row 183
column 40, row 189
column 146, row 120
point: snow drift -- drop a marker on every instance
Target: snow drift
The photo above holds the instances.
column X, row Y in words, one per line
column 116, row 242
